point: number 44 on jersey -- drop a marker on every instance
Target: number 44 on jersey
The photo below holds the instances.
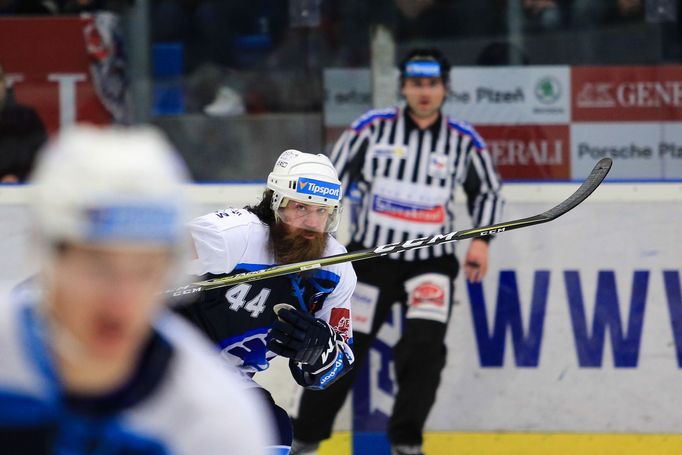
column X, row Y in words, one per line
column 236, row 296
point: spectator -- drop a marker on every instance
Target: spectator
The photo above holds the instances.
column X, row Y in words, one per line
column 28, row 7
column 238, row 34
column 588, row 13
column 502, row 53
column 55, row 7
column 543, row 15
column 438, row 19
column 21, row 135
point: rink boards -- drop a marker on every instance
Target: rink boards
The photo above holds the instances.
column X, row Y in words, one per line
column 573, row 343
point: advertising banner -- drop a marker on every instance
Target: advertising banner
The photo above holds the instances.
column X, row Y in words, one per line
column 576, row 328
column 627, row 93
column 529, row 152
column 47, row 64
column 347, row 95
column 639, row 150
column 510, row 95
column 552, row 122
column 502, row 96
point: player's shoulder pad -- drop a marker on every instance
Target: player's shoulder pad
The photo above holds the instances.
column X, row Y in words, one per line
column 370, row 116
column 468, row 130
column 222, row 220
column 334, row 247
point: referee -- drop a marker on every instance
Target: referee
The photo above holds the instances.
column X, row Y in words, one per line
column 405, row 163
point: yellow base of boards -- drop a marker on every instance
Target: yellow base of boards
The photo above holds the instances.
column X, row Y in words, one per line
column 531, row 444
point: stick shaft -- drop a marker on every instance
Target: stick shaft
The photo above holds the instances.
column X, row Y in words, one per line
column 588, row 186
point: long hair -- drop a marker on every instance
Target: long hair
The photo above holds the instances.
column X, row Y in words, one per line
column 263, row 210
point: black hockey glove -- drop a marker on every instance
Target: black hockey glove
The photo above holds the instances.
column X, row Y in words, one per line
column 302, row 338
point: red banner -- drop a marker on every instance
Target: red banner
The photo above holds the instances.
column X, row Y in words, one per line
column 524, row 152
column 46, row 63
column 627, row 93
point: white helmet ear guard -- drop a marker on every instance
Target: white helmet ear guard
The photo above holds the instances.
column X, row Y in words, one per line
column 306, row 178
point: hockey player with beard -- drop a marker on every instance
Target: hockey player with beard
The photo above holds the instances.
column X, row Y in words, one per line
column 293, row 222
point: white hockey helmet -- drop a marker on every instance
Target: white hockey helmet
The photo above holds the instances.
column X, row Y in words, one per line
column 109, row 185
column 307, row 178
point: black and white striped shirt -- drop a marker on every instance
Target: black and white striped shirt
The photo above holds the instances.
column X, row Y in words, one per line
column 406, row 177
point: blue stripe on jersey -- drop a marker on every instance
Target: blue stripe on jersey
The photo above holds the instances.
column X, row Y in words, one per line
column 29, row 413
column 327, row 275
column 370, row 116
column 18, row 409
column 252, row 267
column 31, row 332
column 26, row 411
column 468, row 130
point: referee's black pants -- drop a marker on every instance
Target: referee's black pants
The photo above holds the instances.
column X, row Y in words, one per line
column 419, row 355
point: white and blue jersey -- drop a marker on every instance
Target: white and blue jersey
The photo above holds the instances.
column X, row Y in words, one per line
column 238, row 318
column 179, row 400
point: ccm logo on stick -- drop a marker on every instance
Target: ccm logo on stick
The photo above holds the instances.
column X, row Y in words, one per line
column 185, row 290
column 492, row 231
column 422, row 241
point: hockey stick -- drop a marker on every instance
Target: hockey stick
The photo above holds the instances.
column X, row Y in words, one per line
column 588, row 186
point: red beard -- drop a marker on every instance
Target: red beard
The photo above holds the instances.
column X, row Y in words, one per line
column 290, row 245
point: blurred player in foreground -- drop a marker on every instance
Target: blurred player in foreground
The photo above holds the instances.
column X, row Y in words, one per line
column 293, row 222
column 90, row 363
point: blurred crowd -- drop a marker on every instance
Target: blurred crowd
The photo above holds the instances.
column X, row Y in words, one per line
column 52, row 7
column 242, row 33
column 234, row 57
column 265, row 51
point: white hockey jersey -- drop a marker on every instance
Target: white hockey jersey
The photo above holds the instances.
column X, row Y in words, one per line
column 238, row 318
column 179, row 401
